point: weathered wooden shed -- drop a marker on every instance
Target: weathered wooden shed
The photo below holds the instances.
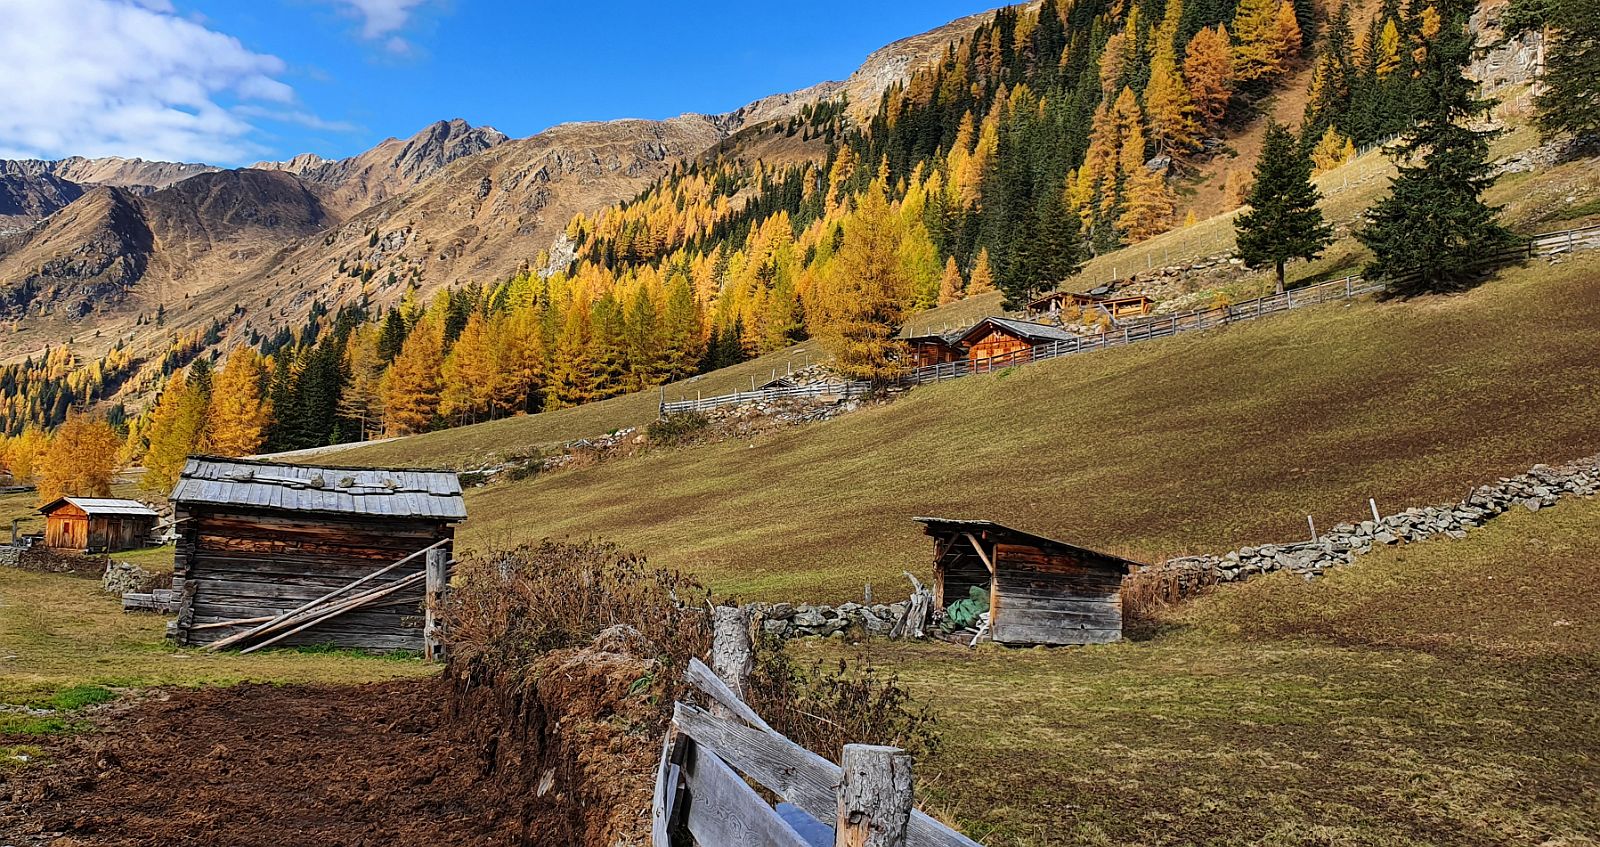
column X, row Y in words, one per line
column 1041, row 591
column 1004, row 338
column 97, row 524
column 932, row 349
column 257, row 540
column 1118, row 306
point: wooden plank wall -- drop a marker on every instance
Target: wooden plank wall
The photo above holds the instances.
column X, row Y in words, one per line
column 1055, row 598
column 243, row 565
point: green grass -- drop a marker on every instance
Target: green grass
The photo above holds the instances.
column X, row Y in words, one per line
column 65, row 644
column 1200, row 443
column 1437, row 694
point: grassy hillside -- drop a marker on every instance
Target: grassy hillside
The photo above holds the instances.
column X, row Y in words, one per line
column 1203, row 442
column 1437, row 694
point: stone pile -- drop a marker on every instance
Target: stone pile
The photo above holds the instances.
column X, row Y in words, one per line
column 1539, row 488
column 783, row 620
column 123, row 577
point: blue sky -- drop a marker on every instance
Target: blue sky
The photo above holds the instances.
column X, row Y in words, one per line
column 230, row 82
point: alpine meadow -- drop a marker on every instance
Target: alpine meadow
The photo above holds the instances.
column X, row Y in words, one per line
column 1085, row 422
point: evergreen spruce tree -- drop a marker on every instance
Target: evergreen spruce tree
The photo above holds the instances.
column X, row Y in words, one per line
column 1571, row 101
column 1283, row 222
column 1433, row 232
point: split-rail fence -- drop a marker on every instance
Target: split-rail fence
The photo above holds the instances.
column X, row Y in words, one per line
column 1148, row 328
column 702, row 796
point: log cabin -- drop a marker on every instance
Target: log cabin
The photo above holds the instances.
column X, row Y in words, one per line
column 97, row 524
column 1118, row 307
column 258, row 539
column 932, row 349
column 1041, row 591
column 998, row 340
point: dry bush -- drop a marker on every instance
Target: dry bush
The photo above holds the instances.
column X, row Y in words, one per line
column 512, row 607
column 824, row 707
column 1148, row 592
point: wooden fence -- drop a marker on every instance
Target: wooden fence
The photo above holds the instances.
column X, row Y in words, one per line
column 702, row 797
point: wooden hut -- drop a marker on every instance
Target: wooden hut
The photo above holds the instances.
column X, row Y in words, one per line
column 258, row 539
column 932, row 349
column 97, row 524
column 1041, row 591
column 1119, row 307
column 1004, row 338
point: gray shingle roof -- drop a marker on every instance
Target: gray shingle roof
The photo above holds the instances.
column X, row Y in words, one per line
column 104, row 507
column 1027, row 330
column 378, row 492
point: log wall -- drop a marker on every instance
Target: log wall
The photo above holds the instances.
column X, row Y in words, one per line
column 1055, row 598
column 238, row 564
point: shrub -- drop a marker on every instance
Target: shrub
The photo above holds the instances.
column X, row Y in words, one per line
column 676, row 429
column 827, row 706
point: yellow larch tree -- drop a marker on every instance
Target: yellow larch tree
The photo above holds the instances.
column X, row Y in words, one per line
column 413, row 382
column 1208, row 70
column 236, row 421
column 871, row 289
column 1149, row 206
column 468, row 374
column 23, row 453
column 81, row 459
column 1332, row 150
column 982, row 281
column 952, row 287
column 176, row 428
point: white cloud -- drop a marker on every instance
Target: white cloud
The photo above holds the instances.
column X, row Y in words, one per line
column 129, row 78
column 382, row 19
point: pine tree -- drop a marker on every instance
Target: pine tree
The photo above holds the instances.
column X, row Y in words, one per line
column 413, row 382
column 1048, row 255
column 1433, row 231
column 1284, row 221
column 236, row 420
column 951, row 287
column 81, row 459
column 872, row 292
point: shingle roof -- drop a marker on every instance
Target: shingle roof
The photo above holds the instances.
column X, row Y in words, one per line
column 1027, row 330
column 378, row 492
column 103, row 507
column 1006, row 534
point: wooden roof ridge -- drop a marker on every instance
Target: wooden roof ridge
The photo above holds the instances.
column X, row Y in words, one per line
column 372, row 492
column 237, row 460
column 1027, row 329
column 1008, row 534
column 102, row 506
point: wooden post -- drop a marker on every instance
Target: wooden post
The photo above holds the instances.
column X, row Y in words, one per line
column 732, row 653
column 875, row 797
column 438, row 583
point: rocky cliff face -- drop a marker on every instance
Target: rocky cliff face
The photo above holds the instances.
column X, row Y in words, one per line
column 91, row 253
column 391, row 168
column 24, row 200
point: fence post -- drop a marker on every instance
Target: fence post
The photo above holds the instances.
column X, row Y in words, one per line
column 437, row 583
column 875, row 797
column 732, row 654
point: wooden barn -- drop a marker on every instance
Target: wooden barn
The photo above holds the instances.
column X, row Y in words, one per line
column 1041, row 591
column 97, row 524
column 1004, row 338
column 257, row 540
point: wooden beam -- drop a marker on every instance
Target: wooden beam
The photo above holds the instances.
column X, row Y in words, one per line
column 978, row 546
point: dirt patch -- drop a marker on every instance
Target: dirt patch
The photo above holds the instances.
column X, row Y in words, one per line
column 263, row 765
column 567, row 758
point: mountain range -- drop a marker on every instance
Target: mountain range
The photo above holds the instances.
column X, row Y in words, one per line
column 100, row 252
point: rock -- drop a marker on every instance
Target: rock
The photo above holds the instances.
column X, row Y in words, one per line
column 123, row 577
column 779, row 612
column 1533, row 504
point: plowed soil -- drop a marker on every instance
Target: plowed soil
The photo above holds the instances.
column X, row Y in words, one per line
column 263, row 765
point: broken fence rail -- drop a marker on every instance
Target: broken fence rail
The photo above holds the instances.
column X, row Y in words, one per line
column 701, row 791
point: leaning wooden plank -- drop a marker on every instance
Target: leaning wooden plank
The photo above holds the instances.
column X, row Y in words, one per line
column 659, row 810
column 725, row 810
column 353, row 603
column 330, row 609
column 244, row 636
column 705, row 679
column 793, row 772
column 226, row 624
